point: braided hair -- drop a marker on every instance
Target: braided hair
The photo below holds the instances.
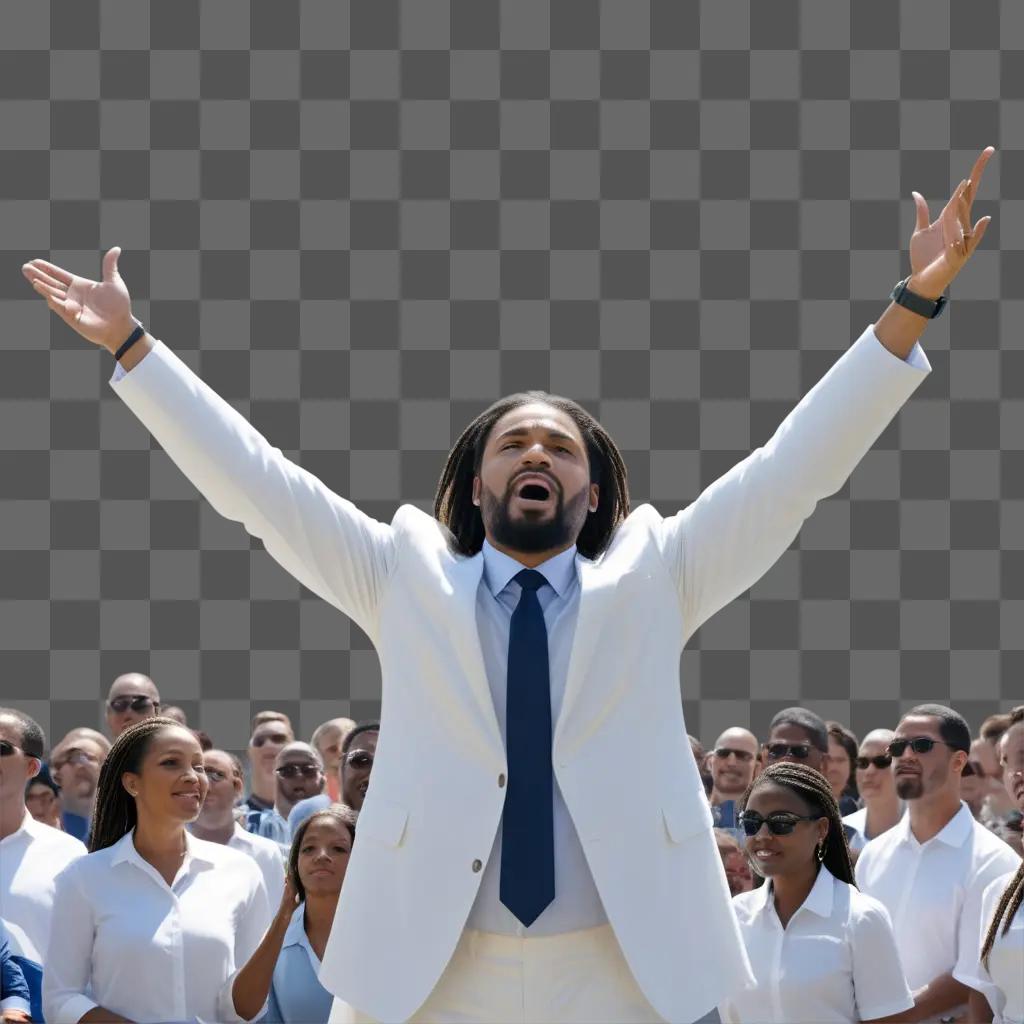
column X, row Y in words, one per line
column 815, row 790
column 115, row 814
column 1013, row 895
column 453, row 504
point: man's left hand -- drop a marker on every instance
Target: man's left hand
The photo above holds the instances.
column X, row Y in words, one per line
column 939, row 251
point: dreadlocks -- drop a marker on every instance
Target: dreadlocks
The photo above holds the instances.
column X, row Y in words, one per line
column 453, row 505
column 115, row 815
column 1013, row 895
column 815, row 790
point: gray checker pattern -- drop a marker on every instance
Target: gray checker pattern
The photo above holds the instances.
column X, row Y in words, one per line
column 363, row 221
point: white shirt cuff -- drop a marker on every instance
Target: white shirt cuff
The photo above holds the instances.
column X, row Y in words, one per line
column 74, row 1007
column 119, row 372
column 917, row 359
column 15, row 1003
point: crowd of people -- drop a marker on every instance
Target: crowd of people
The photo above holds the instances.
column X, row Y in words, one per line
column 151, row 876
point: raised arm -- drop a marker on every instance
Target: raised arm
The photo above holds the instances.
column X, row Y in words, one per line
column 736, row 529
column 323, row 540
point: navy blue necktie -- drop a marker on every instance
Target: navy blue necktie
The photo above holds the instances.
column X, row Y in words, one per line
column 528, row 832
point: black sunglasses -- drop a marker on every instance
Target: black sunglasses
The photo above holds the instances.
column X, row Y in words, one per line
column 291, row 771
column 740, row 755
column 919, row 744
column 780, row 824
column 359, row 759
column 879, row 761
column 121, row 704
column 777, row 750
column 7, row 748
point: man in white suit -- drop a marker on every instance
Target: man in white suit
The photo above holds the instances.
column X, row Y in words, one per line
column 508, row 868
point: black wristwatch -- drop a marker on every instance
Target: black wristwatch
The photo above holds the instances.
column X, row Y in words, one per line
column 928, row 308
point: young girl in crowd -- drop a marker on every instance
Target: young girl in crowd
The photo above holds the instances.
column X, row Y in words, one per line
column 152, row 924
column 997, row 975
column 287, row 962
column 820, row 949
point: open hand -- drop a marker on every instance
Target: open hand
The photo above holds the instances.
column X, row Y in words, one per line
column 100, row 311
column 939, row 251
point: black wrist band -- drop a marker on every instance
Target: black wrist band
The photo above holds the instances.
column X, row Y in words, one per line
column 132, row 338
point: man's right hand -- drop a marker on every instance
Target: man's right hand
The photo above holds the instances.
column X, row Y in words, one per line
column 100, row 311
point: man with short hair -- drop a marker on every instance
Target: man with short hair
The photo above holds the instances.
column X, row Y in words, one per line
column 800, row 737
column 877, row 786
column 76, row 762
column 328, row 739
column 175, row 712
column 735, row 863
column 271, row 731
column 31, row 854
column 731, row 763
column 926, row 866
column 300, row 774
column 357, row 755
column 216, row 822
column 132, row 697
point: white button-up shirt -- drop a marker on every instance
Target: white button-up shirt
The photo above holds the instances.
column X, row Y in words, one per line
column 269, row 860
column 30, row 860
column 924, row 887
column 1003, row 983
column 131, row 943
column 835, row 960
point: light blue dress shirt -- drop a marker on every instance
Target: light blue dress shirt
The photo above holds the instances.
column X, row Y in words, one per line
column 577, row 903
column 296, row 995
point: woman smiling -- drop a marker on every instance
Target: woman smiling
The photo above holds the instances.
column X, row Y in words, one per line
column 820, row 949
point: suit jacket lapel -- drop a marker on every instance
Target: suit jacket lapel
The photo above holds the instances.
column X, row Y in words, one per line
column 465, row 576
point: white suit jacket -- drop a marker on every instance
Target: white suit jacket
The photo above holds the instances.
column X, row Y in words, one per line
column 436, row 803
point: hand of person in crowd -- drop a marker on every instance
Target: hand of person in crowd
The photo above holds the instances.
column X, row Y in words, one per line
column 100, row 311
column 289, row 898
column 939, row 250
column 14, row 1016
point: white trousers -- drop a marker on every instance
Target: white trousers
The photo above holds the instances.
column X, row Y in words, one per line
column 577, row 978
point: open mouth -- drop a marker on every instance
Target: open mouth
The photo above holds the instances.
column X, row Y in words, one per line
column 533, row 491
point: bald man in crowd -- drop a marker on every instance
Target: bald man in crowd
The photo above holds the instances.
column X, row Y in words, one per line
column 732, row 763
column 132, row 697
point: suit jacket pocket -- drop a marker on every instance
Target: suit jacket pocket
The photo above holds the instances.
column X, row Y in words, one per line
column 382, row 821
column 686, row 818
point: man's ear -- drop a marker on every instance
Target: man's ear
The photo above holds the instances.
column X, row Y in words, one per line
column 595, row 495
column 33, row 771
column 476, row 491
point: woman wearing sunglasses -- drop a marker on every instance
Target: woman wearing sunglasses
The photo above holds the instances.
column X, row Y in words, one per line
column 820, row 949
column 154, row 922
column 882, row 808
column 996, row 975
column 285, row 967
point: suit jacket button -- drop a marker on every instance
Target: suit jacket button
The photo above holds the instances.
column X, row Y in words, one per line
column 477, row 865
column 501, row 781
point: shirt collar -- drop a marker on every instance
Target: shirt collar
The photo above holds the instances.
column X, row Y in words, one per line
column 295, row 935
column 499, row 569
column 819, row 900
column 955, row 832
column 124, row 851
column 29, row 828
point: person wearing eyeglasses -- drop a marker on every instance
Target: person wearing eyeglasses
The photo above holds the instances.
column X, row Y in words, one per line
column 926, row 867
column 798, row 736
column 877, row 787
column 993, row 963
column 820, row 949
column 132, row 697
column 300, row 774
column 76, row 763
column 732, row 769
column 217, row 822
column 269, row 736
column 283, row 972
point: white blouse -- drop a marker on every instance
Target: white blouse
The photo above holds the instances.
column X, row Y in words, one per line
column 125, row 940
column 1003, row 983
column 835, row 960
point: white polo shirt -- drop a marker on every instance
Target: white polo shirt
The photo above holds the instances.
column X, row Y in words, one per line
column 924, row 886
column 1003, row 983
column 131, row 943
column 269, row 860
column 30, row 860
column 835, row 960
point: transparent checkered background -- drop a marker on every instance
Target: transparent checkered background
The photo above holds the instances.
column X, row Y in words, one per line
column 363, row 221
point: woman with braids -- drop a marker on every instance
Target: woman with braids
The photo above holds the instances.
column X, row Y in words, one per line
column 153, row 922
column 821, row 950
column 526, row 628
column 286, row 964
column 996, row 976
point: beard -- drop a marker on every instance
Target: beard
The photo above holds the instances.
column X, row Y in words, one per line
column 909, row 787
column 531, row 533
